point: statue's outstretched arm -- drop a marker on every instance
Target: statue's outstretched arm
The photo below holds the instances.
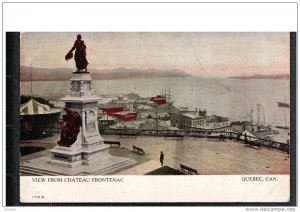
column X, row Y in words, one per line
column 73, row 48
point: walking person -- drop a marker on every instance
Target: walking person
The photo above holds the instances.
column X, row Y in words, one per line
column 246, row 140
column 161, row 158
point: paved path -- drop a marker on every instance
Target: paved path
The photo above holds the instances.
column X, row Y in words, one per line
column 47, row 142
column 208, row 157
column 141, row 169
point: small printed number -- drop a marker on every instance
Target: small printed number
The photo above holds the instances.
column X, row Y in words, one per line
column 37, row 197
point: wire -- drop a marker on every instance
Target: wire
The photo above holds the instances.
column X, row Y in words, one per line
column 201, row 67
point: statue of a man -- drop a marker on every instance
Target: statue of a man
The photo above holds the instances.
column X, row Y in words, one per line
column 70, row 128
column 80, row 54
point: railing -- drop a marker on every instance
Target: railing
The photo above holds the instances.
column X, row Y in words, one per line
column 269, row 144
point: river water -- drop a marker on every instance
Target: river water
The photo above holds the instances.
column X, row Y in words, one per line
column 228, row 97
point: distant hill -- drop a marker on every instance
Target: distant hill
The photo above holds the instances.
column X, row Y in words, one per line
column 119, row 73
column 259, row 76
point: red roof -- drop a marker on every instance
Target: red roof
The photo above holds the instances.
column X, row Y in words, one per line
column 126, row 115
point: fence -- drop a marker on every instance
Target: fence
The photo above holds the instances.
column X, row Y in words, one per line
column 269, row 144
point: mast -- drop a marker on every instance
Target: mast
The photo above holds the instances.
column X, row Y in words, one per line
column 284, row 99
column 264, row 117
column 156, row 121
column 169, row 95
column 258, row 113
column 285, row 120
column 251, row 111
column 30, row 82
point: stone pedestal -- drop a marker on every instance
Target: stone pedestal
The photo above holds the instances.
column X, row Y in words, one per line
column 89, row 144
column 88, row 151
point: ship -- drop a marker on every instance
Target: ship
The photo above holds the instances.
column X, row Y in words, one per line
column 283, row 104
column 282, row 127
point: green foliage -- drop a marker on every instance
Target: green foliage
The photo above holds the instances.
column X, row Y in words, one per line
column 165, row 170
column 27, row 150
column 39, row 126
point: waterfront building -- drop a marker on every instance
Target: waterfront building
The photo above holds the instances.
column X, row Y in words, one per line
column 126, row 115
column 111, row 108
column 160, row 114
column 144, row 108
column 132, row 125
column 106, row 120
column 184, row 119
column 116, row 105
column 148, row 124
column 159, row 100
column 198, row 121
column 213, row 126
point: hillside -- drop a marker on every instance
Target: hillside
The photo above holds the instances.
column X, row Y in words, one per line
column 119, row 73
column 259, row 76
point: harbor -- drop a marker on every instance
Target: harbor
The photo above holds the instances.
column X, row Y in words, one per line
column 111, row 121
column 210, row 144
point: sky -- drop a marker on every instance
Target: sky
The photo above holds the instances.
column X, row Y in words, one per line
column 211, row 54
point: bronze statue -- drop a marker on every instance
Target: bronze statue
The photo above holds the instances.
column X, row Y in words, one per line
column 70, row 128
column 80, row 54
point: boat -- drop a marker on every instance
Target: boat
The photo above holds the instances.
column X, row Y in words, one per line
column 282, row 127
column 283, row 104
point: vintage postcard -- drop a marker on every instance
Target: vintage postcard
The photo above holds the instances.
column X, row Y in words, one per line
column 155, row 117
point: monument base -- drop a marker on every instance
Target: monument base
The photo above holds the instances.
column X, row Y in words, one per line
column 87, row 154
column 65, row 156
column 76, row 160
column 93, row 155
column 92, row 165
column 72, row 157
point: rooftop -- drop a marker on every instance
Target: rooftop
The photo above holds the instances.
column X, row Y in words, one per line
column 215, row 118
column 192, row 115
column 144, row 107
column 107, row 118
column 125, row 113
column 111, row 105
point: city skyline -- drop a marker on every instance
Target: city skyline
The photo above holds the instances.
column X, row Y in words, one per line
column 211, row 54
